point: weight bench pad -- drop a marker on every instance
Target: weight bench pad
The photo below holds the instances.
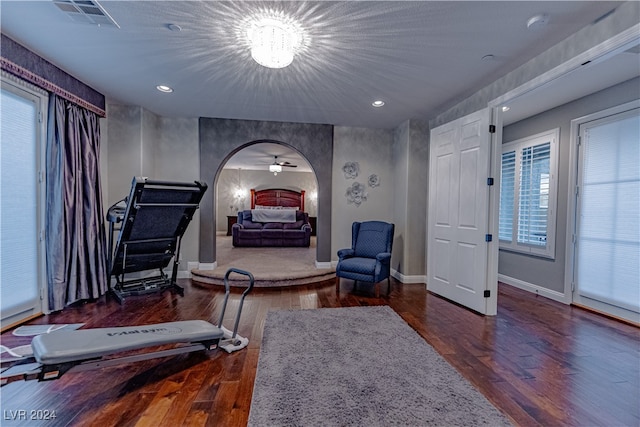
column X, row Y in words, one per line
column 83, row 344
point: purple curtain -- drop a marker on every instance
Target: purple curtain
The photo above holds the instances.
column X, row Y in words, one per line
column 75, row 228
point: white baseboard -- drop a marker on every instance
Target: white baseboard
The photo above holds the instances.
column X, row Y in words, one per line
column 207, row 265
column 534, row 289
column 323, row 264
column 405, row 279
column 186, row 274
column 421, row 279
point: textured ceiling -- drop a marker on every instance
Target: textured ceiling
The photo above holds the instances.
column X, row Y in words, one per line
column 417, row 56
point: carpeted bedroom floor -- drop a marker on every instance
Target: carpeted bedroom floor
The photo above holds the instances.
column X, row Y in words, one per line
column 269, row 266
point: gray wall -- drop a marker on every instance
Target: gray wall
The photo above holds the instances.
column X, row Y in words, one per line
column 372, row 150
column 538, row 271
column 410, row 157
column 624, row 17
column 221, row 138
column 139, row 143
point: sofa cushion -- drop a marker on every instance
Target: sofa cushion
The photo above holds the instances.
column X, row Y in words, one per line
column 293, row 225
column 272, row 225
column 251, row 224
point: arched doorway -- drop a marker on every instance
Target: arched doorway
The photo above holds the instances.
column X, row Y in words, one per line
column 220, row 139
column 250, row 167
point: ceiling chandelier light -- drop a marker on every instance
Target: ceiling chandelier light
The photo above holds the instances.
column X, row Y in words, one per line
column 275, row 169
column 274, row 41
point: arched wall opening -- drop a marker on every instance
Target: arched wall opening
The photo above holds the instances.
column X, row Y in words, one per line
column 249, row 168
column 220, row 139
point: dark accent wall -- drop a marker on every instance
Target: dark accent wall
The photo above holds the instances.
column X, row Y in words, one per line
column 23, row 57
column 222, row 138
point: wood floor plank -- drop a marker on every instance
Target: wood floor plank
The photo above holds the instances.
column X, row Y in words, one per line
column 541, row 362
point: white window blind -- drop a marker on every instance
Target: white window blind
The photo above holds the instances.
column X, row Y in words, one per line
column 534, row 182
column 507, row 195
column 608, row 228
column 528, row 194
column 20, row 255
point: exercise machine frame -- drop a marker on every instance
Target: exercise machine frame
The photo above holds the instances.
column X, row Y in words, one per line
column 33, row 368
column 152, row 221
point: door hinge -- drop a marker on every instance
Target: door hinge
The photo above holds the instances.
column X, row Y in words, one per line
column 42, row 235
column 489, row 181
column 487, row 294
column 488, row 237
column 39, row 116
column 577, row 190
column 492, row 128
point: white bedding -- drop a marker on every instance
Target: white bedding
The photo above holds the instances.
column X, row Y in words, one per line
column 273, row 215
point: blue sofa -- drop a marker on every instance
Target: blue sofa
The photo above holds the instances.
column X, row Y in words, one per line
column 246, row 232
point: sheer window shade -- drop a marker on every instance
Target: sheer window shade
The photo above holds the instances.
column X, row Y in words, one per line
column 608, row 232
column 20, row 263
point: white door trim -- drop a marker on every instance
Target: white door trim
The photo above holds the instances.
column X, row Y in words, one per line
column 601, row 52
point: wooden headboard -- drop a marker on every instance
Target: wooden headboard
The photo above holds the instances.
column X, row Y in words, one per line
column 277, row 197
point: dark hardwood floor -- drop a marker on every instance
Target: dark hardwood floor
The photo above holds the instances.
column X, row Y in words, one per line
column 540, row 362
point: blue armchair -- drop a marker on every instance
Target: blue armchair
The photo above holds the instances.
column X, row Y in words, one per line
column 369, row 258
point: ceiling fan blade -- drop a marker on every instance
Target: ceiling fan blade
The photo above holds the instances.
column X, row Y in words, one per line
column 289, row 166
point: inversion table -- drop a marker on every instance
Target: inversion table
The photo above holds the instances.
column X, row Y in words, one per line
column 63, row 351
column 152, row 219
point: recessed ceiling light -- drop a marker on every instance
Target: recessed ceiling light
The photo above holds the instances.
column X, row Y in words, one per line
column 378, row 103
column 174, row 27
column 488, row 57
column 164, row 88
column 505, row 108
column 538, row 21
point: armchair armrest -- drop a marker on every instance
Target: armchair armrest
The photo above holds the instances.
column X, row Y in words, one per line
column 384, row 257
column 345, row 253
column 237, row 225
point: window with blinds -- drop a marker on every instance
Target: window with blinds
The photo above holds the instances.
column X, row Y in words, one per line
column 528, row 194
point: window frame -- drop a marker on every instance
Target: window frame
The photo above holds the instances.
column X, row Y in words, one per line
column 551, row 136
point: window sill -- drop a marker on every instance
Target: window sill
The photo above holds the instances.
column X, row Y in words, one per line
column 529, row 252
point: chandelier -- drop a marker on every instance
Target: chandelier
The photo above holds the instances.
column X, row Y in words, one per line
column 275, row 169
column 274, row 42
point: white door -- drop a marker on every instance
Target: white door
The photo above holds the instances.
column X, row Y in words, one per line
column 21, row 204
column 458, row 212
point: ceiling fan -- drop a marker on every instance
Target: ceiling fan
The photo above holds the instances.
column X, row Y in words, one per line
column 284, row 164
column 277, row 166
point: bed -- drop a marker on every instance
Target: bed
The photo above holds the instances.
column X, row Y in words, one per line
column 276, row 218
column 277, row 197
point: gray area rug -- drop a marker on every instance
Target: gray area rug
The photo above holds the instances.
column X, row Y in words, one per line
column 358, row 366
column 270, row 266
